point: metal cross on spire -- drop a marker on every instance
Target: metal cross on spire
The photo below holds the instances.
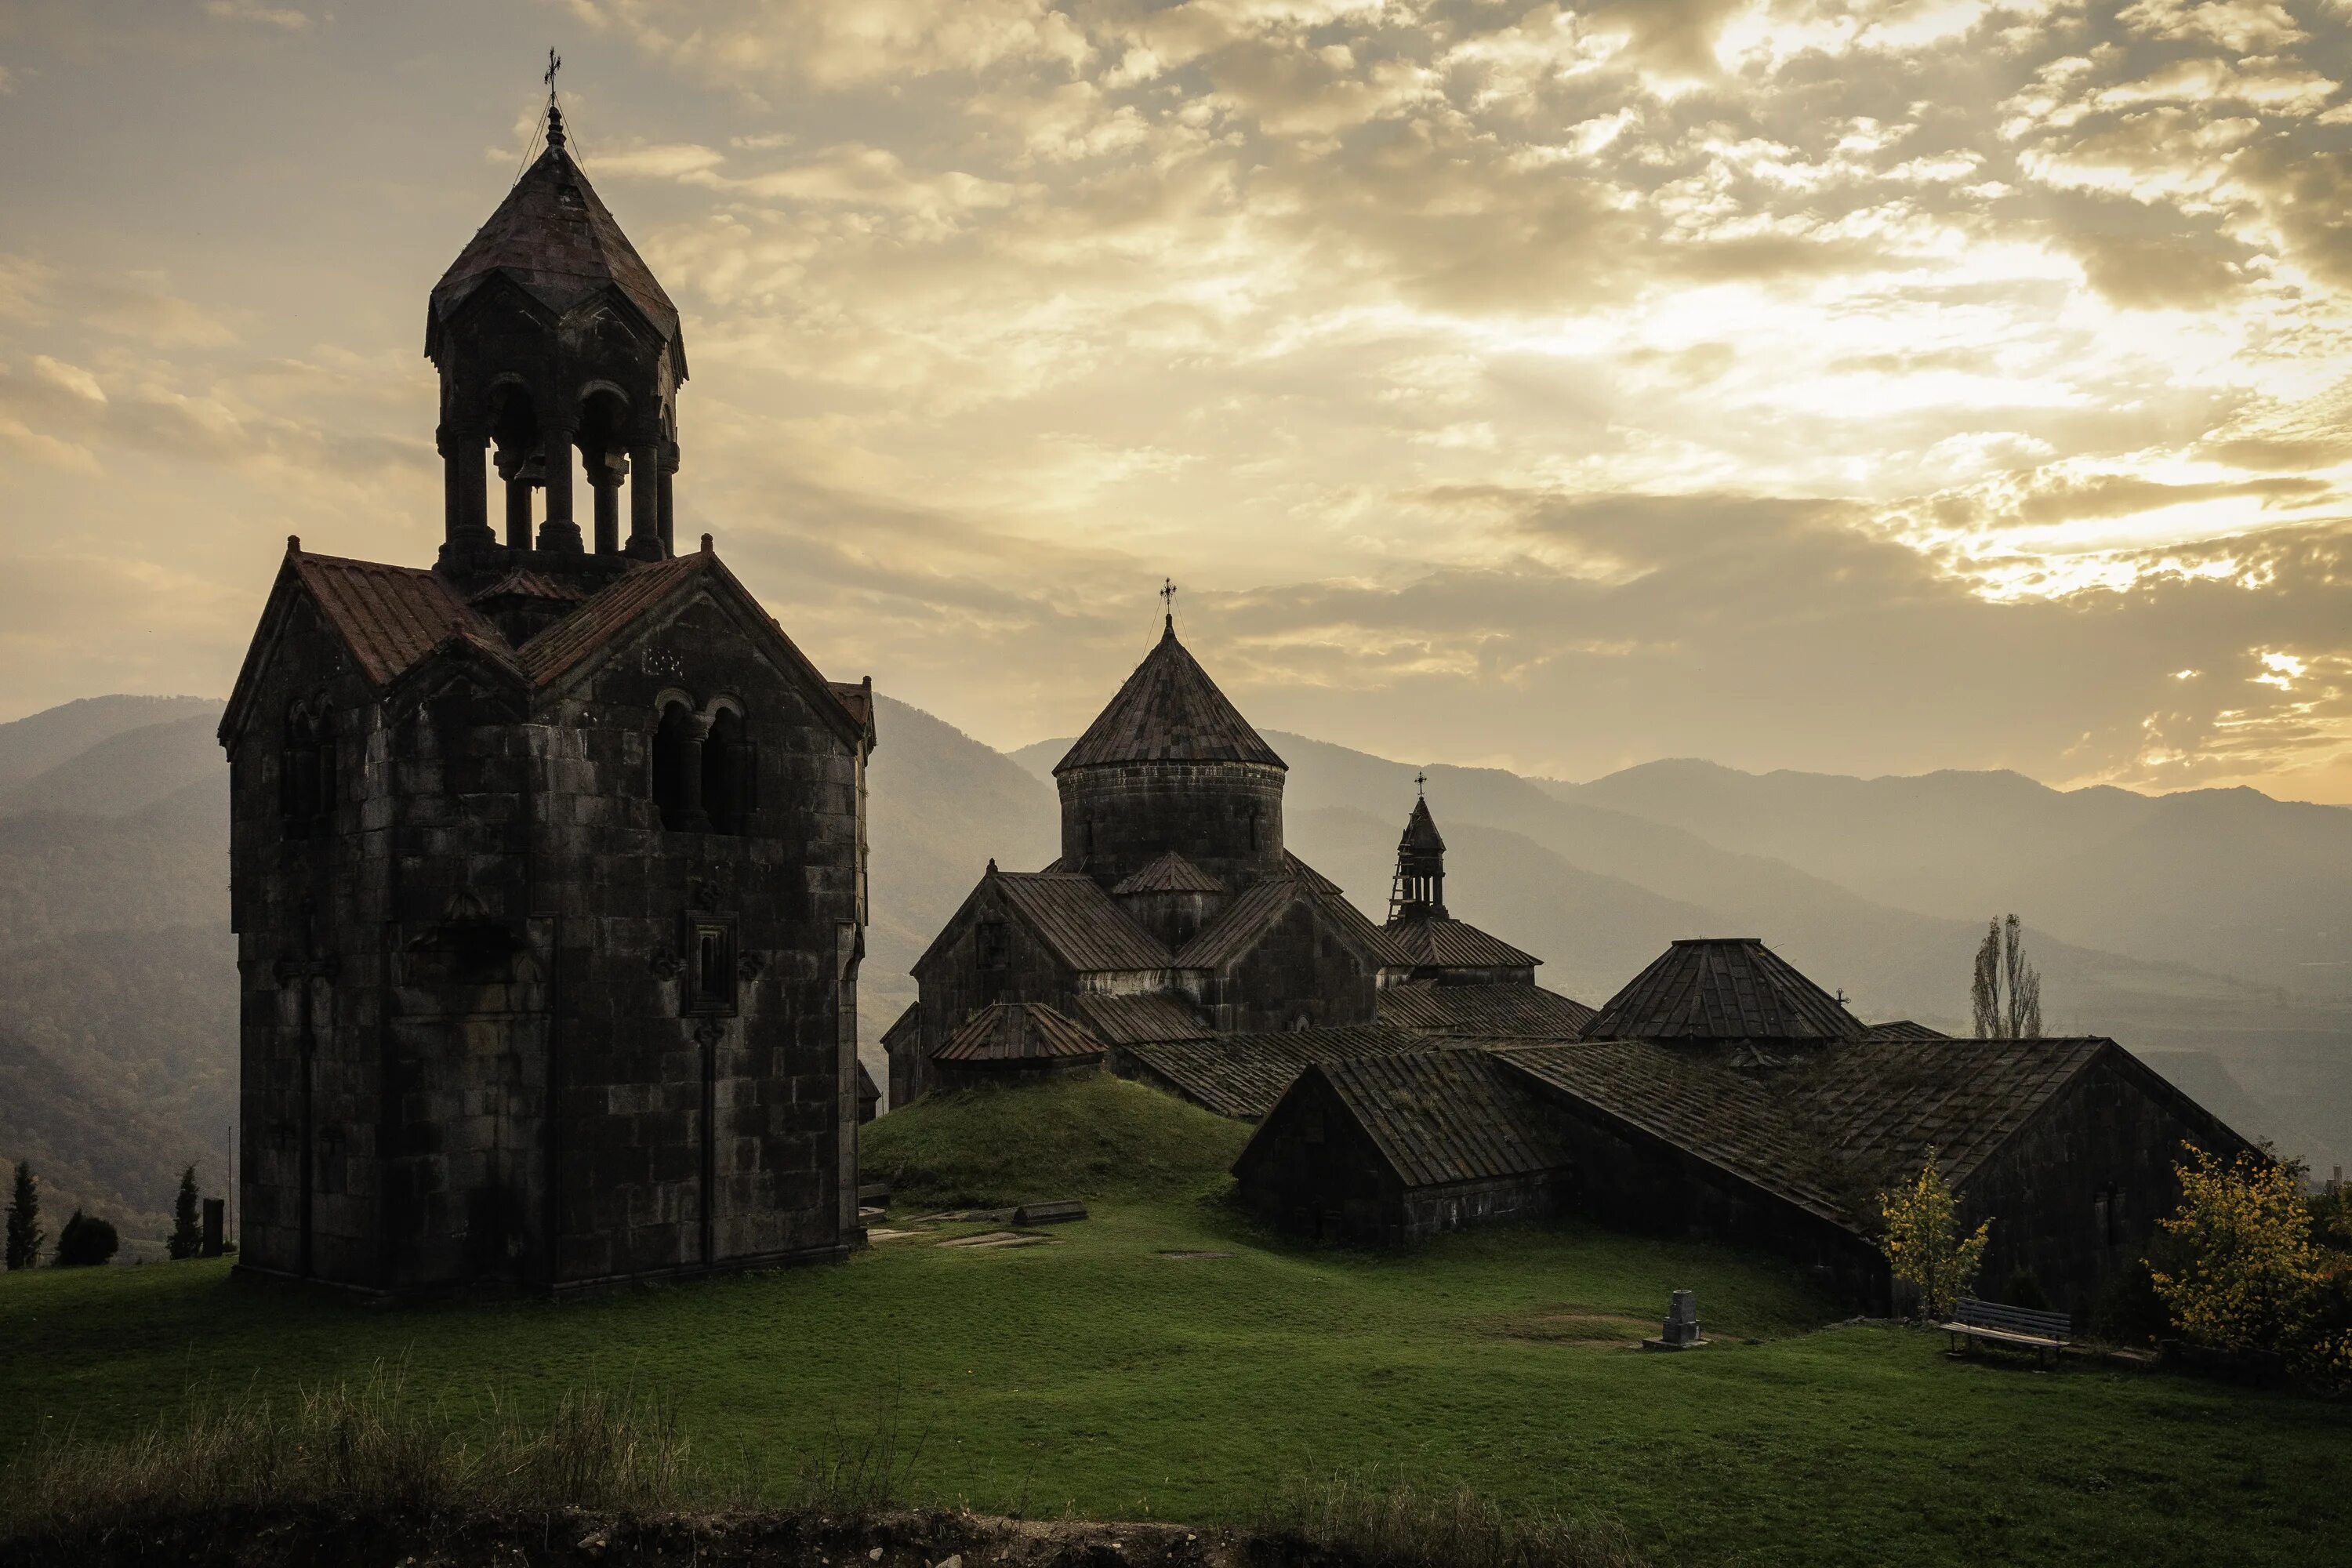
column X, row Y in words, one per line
column 1420, row 785
column 1167, row 600
column 554, row 64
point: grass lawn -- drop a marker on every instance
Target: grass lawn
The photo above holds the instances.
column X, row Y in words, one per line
column 1101, row 1375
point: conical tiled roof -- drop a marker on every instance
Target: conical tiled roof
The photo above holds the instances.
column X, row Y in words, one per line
column 1722, row 988
column 553, row 237
column 1169, row 711
column 1421, row 830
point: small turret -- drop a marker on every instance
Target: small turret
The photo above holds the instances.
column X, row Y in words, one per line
column 1420, row 887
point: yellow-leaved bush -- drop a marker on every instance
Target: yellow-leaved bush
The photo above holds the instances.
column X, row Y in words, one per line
column 2241, row 1269
column 1924, row 1244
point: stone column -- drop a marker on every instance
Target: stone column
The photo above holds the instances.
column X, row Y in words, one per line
column 518, row 511
column 464, row 477
column 605, row 484
column 557, row 532
column 644, row 503
column 669, row 515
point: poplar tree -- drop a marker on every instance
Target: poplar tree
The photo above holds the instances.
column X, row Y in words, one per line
column 2005, row 993
column 24, row 1219
column 187, row 1232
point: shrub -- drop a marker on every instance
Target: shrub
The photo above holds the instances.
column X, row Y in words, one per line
column 2242, row 1271
column 24, row 1219
column 86, row 1240
column 1924, row 1247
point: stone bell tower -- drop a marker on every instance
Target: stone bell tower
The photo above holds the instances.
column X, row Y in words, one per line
column 555, row 344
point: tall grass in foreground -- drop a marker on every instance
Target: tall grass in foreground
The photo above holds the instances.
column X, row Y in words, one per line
column 368, row 1448
column 1378, row 1522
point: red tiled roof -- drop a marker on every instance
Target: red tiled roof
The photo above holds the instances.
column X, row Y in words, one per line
column 1168, row 710
column 607, row 613
column 521, row 584
column 1018, row 1032
column 391, row 616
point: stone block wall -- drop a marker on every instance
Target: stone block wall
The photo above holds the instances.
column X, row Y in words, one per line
column 1225, row 818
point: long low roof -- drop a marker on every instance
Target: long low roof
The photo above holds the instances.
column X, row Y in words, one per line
column 1242, row 1075
column 1503, row 1009
column 1440, row 1116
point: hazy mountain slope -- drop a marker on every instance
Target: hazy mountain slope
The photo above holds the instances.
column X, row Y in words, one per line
column 151, row 1014
column 166, row 864
column 2229, row 881
column 125, row 771
column 41, row 741
column 92, row 1148
column 939, row 805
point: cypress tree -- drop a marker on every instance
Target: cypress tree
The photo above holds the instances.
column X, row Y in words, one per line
column 187, row 1232
column 24, row 1219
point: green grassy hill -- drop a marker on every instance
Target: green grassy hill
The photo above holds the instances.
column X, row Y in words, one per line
column 1166, row 1360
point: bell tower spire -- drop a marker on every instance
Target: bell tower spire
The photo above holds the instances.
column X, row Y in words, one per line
column 1420, row 887
column 560, row 358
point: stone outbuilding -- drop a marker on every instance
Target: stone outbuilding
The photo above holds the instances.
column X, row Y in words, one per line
column 1757, row 1110
column 1015, row 1042
column 547, row 861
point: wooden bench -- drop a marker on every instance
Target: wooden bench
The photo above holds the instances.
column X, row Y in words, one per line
column 2044, row 1333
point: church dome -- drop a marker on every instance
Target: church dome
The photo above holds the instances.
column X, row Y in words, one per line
column 1169, row 711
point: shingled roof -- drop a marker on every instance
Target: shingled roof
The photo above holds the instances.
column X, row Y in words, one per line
column 1439, row 1117
column 1169, row 711
column 1902, row 1029
column 1836, row 1128
column 1722, row 988
column 1255, row 909
column 1075, row 918
column 1242, row 1075
column 1171, row 873
column 554, row 238
column 1140, row 1020
column 1015, row 1032
column 1492, row 1010
column 1440, row 942
column 1421, row 829
column 390, row 616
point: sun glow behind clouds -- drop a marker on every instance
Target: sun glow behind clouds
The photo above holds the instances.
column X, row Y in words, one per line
column 1523, row 369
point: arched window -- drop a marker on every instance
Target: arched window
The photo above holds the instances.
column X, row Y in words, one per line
column 676, row 770
column 731, row 773
column 306, row 771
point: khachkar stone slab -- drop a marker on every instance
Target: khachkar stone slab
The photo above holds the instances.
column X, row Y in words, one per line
column 1681, row 1330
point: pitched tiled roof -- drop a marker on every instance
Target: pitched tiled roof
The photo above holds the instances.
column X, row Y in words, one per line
column 1069, row 912
column 1836, row 1127
column 1437, row 942
column 1168, row 710
column 391, row 616
column 556, row 238
column 1237, row 929
column 1308, row 874
column 1902, row 1029
column 1443, row 1116
column 1018, row 1032
column 1722, row 988
column 1242, row 1075
column 1171, row 873
column 1421, row 830
column 609, row 612
column 1139, row 1020
column 1495, row 1010
column 521, row 584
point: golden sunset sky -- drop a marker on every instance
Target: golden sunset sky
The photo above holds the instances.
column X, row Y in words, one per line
column 1872, row 387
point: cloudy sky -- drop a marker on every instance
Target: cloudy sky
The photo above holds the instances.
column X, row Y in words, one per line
column 1861, row 387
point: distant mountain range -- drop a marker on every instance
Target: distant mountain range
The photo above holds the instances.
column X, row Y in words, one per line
column 2210, row 932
